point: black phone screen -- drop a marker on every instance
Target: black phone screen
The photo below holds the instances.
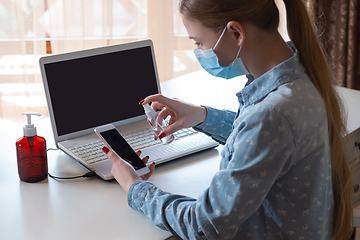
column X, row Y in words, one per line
column 122, row 148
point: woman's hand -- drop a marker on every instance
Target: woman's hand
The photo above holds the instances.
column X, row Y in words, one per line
column 123, row 172
column 182, row 115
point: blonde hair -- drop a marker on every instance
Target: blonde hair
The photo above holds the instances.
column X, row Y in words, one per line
column 302, row 33
column 264, row 14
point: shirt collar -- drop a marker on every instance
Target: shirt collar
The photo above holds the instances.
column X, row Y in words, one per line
column 259, row 88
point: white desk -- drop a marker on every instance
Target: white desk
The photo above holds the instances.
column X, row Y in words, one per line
column 97, row 209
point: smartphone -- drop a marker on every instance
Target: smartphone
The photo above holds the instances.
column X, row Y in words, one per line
column 113, row 139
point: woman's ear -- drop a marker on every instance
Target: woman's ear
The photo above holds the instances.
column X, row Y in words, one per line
column 237, row 31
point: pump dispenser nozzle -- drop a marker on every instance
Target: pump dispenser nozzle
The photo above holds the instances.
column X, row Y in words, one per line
column 29, row 129
column 149, row 111
column 157, row 123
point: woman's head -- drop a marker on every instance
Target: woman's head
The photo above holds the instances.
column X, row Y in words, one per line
column 216, row 14
column 247, row 23
column 227, row 46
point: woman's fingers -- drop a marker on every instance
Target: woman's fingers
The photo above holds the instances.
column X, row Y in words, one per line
column 168, row 112
column 145, row 159
column 110, row 154
column 182, row 115
column 159, row 101
column 176, row 126
column 148, row 175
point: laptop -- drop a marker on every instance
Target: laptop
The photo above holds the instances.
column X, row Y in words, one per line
column 91, row 88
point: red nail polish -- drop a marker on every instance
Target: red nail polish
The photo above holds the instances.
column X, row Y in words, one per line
column 162, row 135
column 141, row 102
column 105, row 150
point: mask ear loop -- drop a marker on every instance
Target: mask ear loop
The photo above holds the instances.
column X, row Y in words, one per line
column 237, row 55
column 222, row 34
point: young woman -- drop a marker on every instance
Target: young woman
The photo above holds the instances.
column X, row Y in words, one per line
column 283, row 171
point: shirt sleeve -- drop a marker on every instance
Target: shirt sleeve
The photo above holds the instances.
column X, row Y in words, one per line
column 172, row 212
column 218, row 124
column 260, row 150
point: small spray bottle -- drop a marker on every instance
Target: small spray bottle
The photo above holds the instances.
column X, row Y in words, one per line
column 157, row 123
column 31, row 153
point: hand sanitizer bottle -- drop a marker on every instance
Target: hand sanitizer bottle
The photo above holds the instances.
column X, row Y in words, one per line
column 157, row 123
column 31, row 153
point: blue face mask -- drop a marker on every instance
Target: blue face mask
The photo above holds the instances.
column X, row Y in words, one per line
column 210, row 62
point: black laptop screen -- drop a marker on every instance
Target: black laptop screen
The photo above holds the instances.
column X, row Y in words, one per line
column 96, row 90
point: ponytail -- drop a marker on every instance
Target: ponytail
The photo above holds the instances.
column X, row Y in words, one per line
column 302, row 34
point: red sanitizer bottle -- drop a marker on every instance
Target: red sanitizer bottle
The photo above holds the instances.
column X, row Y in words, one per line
column 31, row 153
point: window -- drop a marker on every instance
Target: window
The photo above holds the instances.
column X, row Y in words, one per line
column 30, row 29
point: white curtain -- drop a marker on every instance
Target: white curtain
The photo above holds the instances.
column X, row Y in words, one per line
column 27, row 27
column 30, row 29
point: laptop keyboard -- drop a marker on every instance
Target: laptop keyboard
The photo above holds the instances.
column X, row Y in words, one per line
column 92, row 152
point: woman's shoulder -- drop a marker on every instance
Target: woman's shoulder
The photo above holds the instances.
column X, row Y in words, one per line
column 297, row 101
